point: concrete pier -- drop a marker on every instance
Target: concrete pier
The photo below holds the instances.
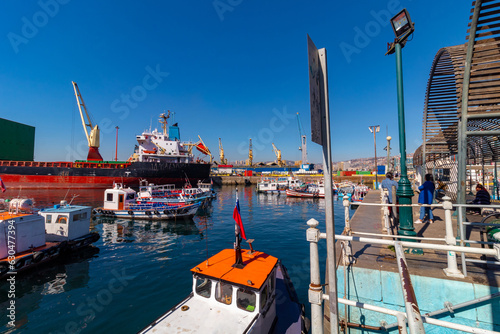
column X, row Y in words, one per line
column 374, row 278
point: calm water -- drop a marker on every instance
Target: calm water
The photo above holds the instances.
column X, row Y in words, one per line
column 138, row 270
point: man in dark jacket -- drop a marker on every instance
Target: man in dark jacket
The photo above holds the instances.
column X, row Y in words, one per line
column 482, row 196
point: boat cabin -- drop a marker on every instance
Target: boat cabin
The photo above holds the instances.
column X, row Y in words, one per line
column 149, row 190
column 66, row 222
column 239, row 293
column 119, row 198
column 29, row 234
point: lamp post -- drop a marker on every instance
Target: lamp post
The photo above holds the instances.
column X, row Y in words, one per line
column 116, row 147
column 375, row 129
column 403, row 27
column 388, row 153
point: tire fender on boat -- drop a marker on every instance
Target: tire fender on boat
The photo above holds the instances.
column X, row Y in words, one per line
column 165, row 212
column 130, row 212
column 38, row 256
column 157, row 212
column 148, row 213
column 4, row 267
column 19, row 263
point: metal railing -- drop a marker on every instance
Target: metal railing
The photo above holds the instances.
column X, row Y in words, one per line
column 412, row 317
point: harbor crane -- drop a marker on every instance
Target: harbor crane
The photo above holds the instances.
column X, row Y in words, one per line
column 303, row 141
column 250, row 153
column 280, row 162
column 223, row 161
column 91, row 130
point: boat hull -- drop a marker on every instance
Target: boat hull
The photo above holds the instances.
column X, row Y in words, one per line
column 158, row 214
column 16, row 174
column 303, row 194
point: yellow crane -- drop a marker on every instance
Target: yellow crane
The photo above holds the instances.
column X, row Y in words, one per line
column 250, row 153
column 91, row 130
column 223, row 161
column 278, row 156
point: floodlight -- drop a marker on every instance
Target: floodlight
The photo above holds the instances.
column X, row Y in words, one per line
column 401, row 23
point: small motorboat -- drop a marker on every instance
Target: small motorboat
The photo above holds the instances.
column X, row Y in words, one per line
column 123, row 202
column 236, row 291
column 29, row 239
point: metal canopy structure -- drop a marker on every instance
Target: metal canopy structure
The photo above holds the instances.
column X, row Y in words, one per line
column 465, row 77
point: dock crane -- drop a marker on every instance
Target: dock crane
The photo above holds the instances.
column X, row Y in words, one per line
column 91, row 130
column 223, row 161
column 250, row 153
column 281, row 163
column 303, row 141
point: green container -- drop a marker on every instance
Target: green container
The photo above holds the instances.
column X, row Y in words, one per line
column 17, row 141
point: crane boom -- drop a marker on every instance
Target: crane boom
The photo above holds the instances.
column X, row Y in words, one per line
column 92, row 133
column 278, row 156
column 303, row 141
column 250, row 153
column 223, row 160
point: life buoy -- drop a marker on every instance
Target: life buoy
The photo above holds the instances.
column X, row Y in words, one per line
column 63, row 220
column 38, row 256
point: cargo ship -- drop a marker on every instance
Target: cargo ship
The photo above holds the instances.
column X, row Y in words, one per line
column 160, row 158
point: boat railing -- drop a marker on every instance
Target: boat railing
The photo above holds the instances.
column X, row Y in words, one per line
column 412, row 317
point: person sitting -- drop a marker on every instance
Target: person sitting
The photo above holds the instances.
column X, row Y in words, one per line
column 482, row 195
column 425, row 197
column 388, row 183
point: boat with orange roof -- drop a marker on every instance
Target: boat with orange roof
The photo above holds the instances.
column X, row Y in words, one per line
column 236, row 291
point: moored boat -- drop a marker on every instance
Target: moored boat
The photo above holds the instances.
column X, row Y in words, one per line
column 236, row 291
column 122, row 202
column 28, row 239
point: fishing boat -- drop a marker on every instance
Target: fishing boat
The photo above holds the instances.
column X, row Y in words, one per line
column 313, row 190
column 278, row 185
column 236, row 291
column 152, row 193
column 29, row 239
column 160, row 157
column 122, row 202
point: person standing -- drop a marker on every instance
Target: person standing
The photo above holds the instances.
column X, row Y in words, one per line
column 388, row 183
column 425, row 197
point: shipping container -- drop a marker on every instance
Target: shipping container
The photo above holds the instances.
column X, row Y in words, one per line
column 17, row 141
column 29, row 233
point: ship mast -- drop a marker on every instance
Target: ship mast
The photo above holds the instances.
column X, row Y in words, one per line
column 163, row 121
column 93, row 136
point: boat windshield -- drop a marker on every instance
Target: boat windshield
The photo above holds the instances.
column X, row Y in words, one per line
column 245, row 300
column 203, row 287
column 224, row 292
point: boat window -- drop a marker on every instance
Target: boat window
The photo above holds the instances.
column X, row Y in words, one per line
column 271, row 283
column 245, row 300
column 224, row 292
column 49, row 219
column 109, row 197
column 130, row 196
column 263, row 298
column 62, row 220
column 203, row 287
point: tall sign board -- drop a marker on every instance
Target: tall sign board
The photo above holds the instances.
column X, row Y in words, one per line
column 315, row 92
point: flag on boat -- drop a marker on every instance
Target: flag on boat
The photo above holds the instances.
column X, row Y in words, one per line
column 2, row 185
column 237, row 219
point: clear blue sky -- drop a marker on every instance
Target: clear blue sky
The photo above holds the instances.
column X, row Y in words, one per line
column 234, row 69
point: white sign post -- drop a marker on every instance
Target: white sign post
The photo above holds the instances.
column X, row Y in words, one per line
column 320, row 134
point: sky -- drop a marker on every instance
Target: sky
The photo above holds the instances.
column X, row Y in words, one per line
column 229, row 69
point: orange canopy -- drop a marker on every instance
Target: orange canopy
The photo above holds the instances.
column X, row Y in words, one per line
column 257, row 268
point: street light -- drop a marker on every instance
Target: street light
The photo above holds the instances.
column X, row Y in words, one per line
column 375, row 129
column 403, row 27
column 388, row 153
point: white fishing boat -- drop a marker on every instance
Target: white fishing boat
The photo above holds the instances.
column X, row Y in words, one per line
column 122, row 202
column 236, row 291
column 278, row 185
column 29, row 239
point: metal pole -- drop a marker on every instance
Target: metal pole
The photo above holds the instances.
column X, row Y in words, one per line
column 388, row 153
column 404, row 191
column 315, row 289
column 116, row 149
column 462, row 129
column 495, row 186
column 330, row 226
column 376, row 167
column 452, row 269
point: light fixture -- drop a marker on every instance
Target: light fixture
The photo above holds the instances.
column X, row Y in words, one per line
column 401, row 23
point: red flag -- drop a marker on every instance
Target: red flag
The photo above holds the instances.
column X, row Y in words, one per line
column 237, row 219
column 2, row 185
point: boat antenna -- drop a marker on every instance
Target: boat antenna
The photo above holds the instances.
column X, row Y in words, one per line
column 72, row 198
column 66, row 194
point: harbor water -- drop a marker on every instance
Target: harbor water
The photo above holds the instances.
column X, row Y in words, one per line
column 139, row 269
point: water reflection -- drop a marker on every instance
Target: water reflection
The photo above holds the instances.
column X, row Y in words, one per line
column 67, row 274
